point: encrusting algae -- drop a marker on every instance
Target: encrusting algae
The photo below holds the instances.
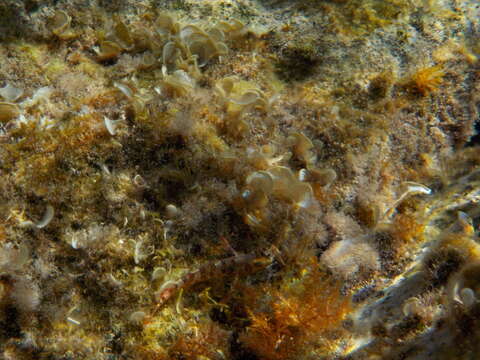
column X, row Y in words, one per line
column 251, row 179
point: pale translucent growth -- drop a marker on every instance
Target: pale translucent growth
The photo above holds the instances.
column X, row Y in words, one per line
column 247, row 98
column 303, row 175
column 302, row 147
column 411, row 307
column 139, row 181
column 46, row 219
column 191, row 33
column 303, row 195
column 42, row 94
column 264, row 158
column 172, row 211
column 467, row 297
column 73, row 321
column 60, row 22
column 158, row 273
column 13, row 258
column 10, row 93
column 167, row 284
column 179, row 81
column 122, row 36
column 26, row 294
column 283, row 178
column 166, row 25
column 94, row 235
column 347, row 257
column 137, row 317
column 170, row 53
column 323, row 177
column 108, row 50
column 225, row 86
column 217, row 34
column 110, row 125
column 167, row 226
column 142, row 251
column 260, row 180
column 411, row 188
column 286, row 185
column 124, row 89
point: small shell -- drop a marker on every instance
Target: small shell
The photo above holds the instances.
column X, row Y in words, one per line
column 8, row 111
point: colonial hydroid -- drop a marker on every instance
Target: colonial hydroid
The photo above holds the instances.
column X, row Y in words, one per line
column 239, row 179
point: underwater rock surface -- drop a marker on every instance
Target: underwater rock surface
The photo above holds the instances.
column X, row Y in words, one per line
column 193, row 179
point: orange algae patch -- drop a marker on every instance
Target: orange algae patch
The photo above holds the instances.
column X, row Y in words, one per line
column 297, row 321
column 406, row 228
column 209, row 341
column 427, row 80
